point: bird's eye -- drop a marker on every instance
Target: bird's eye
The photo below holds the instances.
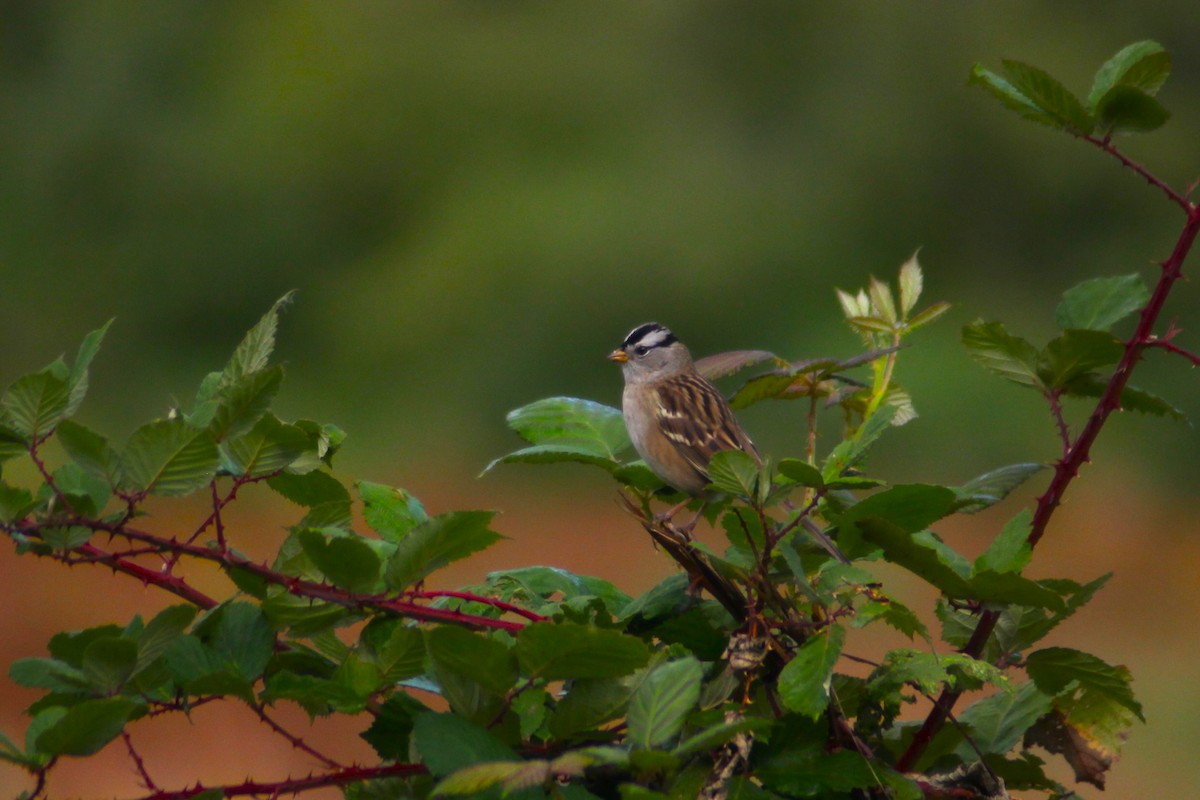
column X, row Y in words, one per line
column 641, row 350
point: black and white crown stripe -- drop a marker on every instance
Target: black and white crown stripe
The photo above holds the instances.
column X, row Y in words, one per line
column 648, row 336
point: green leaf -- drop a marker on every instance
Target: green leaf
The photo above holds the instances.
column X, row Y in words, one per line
column 240, row 634
column 310, row 489
column 1056, row 105
column 908, row 508
column 567, row 650
column 476, row 778
column 800, row 472
column 347, row 561
column 1008, row 587
column 922, row 554
column 998, row 722
column 734, row 472
column 392, row 727
column 912, row 281
column 402, row 654
column 254, row 351
column 661, row 703
column 804, row 681
column 243, row 401
column 992, row 487
column 168, row 457
column 86, row 494
column 563, row 427
column 1143, row 65
column 34, row 404
column 390, row 512
column 848, row 453
column 1011, row 96
column 447, row 743
column 1076, row 353
column 12, row 444
column 1132, row 398
column 268, row 447
column 87, row 727
column 90, row 451
column 48, row 673
column 1011, row 357
column 1055, row 669
column 485, row 661
column 1124, row 109
column 1010, row 551
column 66, row 538
column 589, row 703
column 78, row 381
column 109, row 663
column 437, row 542
column 15, row 502
column 168, row 625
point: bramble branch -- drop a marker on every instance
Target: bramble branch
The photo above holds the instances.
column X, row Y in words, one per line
column 1067, row 468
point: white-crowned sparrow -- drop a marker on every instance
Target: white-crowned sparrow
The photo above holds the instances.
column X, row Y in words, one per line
column 676, row 419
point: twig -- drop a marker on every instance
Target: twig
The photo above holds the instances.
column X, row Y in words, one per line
column 1106, row 145
column 296, row 741
column 147, row 781
column 340, row 777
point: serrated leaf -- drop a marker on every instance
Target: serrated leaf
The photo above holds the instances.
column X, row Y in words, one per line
column 310, row 489
column 34, row 404
column 485, row 661
column 240, row 635
column 1054, row 100
column 589, row 703
column 166, row 627
column 882, row 302
column 15, row 502
column 268, row 447
column 552, row 454
column 848, row 453
column 48, row 673
column 805, row 680
column 1011, row 96
column 78, row 381
column 992, row 487
column 168, row 457
column 1011, row 588
column 1124, row 109
column 90, row 451
column 1132, row 398
column 1055, row 669
column 437, row 542
column 446, row 743
column 926, row 316
column 660, row 704
column 734, row 472
column 391, row 512
column 1143, row 65
column 1010, row 551
column 998, row 722
column 567, row 650
column 585, row 426
column 254, row 351
column 1011, row 357
column 1100, row 303
column 108, row 663
column 912, row 282
column 1076, row 353
column 87, row 727
column 800, row 472
column 243, row 401
column 476, row 778
column 347, row 561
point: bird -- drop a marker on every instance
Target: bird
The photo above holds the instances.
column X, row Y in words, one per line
column 677, row 420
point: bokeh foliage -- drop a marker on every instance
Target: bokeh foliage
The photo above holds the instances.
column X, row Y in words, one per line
column 476, row 200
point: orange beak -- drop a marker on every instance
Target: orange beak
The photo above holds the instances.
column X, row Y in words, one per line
column 619, row 356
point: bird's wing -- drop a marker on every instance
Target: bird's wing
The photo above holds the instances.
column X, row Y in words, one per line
column 695, row 418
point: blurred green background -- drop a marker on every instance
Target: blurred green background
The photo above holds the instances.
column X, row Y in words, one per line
column 477, row 200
